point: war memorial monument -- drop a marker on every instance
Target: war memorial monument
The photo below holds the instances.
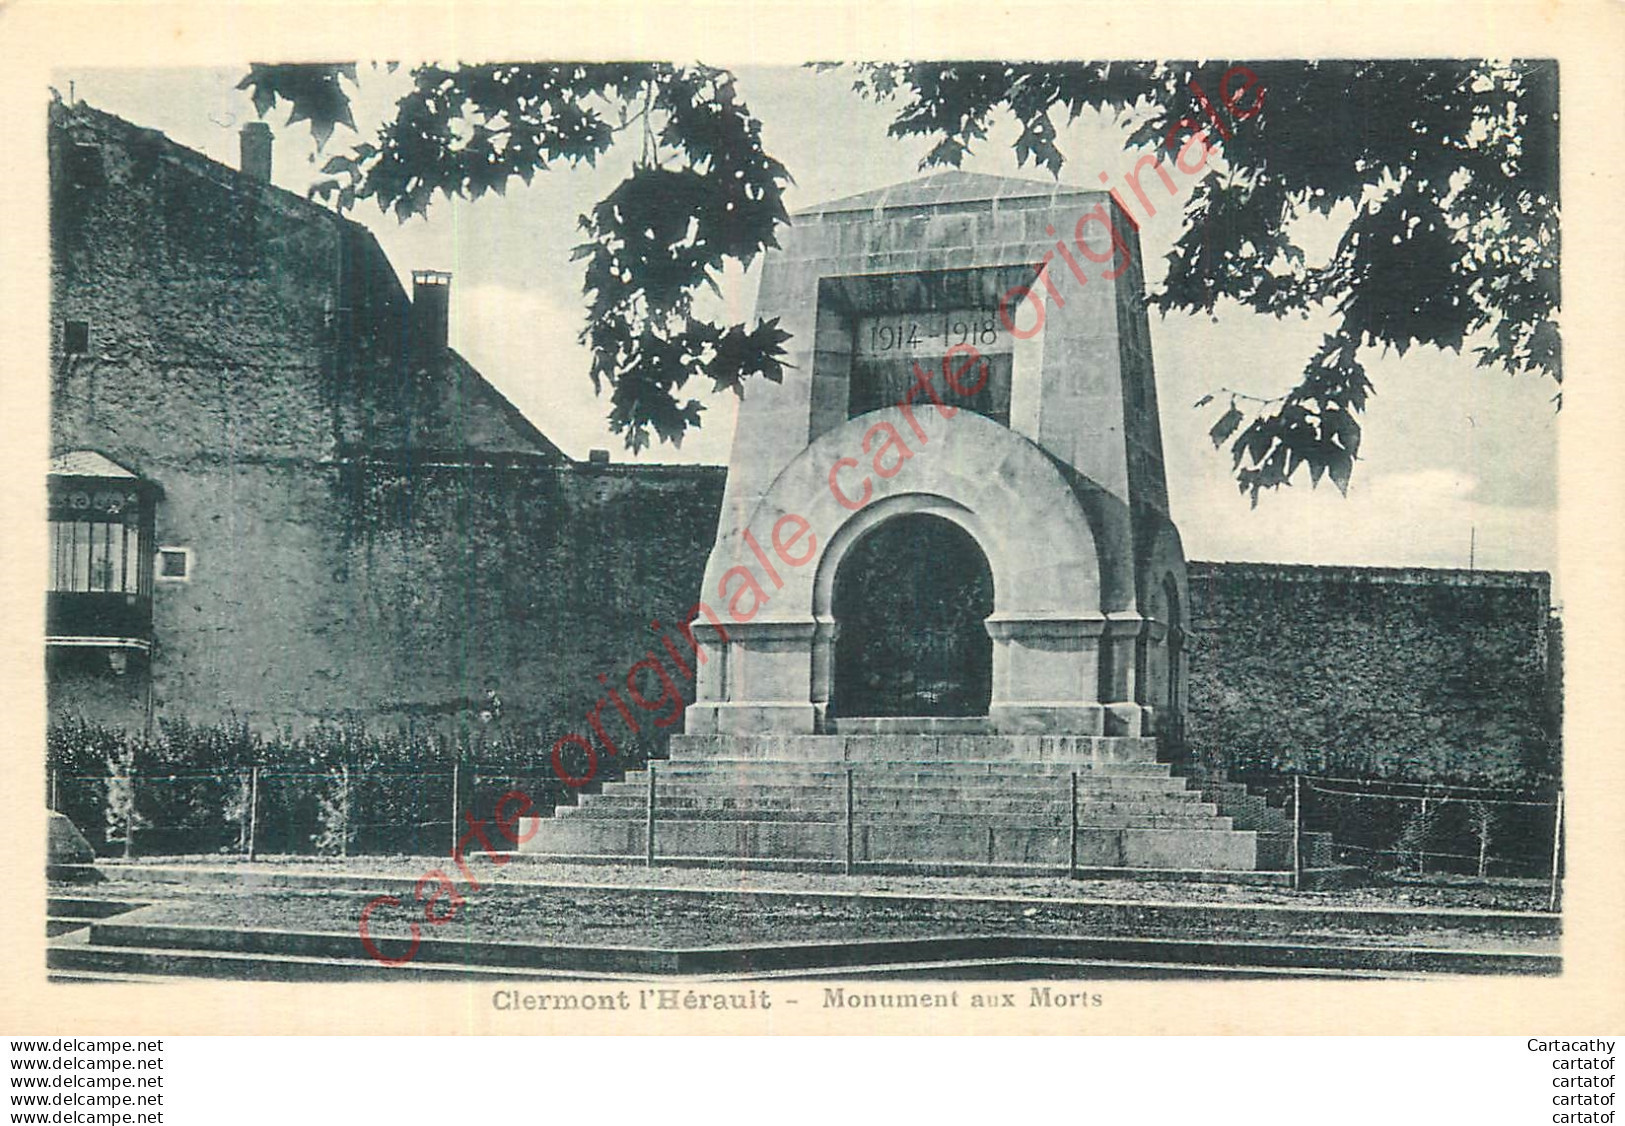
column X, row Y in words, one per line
column 966, row 645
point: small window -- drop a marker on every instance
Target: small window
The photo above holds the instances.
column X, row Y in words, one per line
column 85, row 166
column 174, row 564
column 76, row 338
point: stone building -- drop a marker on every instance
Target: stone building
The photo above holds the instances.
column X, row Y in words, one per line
column 276, row 496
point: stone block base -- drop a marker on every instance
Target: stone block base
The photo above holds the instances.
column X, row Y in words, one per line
column 749, row 719
column 1070, row 719
column 996, row 751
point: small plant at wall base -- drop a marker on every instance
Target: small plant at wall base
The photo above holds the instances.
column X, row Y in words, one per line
column 122, row 817
column 1482, row 822
column 1414, row 836
column 235, row 812
column 332, row 835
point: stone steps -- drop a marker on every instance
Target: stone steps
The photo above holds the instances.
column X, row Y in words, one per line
column 65, row 914
column 1254, row 811
column 762, row 806
column 1271, row 823
column 87, row 907
column 90, row 962
column 1107, row 940
column 769, row 798
column 1040, row 819
column 917, row 748
column 628, row 805
column 1058, row 789
column 917, row 798
column 916, row 768
column 991, row 841
column 1250, row 810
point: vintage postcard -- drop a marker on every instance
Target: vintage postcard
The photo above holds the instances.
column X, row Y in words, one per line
column 826, row 518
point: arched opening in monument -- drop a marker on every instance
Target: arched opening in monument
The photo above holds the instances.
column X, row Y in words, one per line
column 1173, row 714
column 910, row 600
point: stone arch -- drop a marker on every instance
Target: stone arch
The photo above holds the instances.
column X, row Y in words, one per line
column 911, row 597
column 1164, row 606
column 1167, row 692
column 996, row 485
column 871, row 517
column 1164, row 561
column 999, row 486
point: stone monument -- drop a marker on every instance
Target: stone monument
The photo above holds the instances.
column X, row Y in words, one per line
column 945, row 591
column 1050, row 471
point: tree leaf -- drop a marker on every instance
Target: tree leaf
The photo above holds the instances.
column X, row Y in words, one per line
column 1340, row 467
column 1225, row 427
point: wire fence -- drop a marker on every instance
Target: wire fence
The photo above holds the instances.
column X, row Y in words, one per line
column 1414, row 829
column 1382, row 826
column 1443, row 830
column 272, row 810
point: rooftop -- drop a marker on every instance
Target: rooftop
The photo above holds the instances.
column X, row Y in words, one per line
column 87, row 463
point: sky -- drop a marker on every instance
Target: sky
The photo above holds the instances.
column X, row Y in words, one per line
column 1457, row 466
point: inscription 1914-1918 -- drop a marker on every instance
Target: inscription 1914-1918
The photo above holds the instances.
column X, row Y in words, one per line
column 912, row 333
column 889, row 347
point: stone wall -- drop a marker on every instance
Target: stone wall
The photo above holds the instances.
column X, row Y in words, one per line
column 1373, row 672
column 397, row 593
column 532, row 581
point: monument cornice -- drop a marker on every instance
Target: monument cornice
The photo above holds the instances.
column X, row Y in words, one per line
column 1065, row 627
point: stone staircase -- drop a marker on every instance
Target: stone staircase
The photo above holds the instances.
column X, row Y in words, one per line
column 959, row 800
column 1251, row 811
column 65, row 914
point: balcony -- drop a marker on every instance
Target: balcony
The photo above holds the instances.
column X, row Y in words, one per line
column 98, row 619
column 101, row 556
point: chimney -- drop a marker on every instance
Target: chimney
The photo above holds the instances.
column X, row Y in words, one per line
column 431, row 313
column 597, row 457
column 256, row 141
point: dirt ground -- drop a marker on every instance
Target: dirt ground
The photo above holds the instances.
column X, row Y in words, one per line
column 1377, row 890
column 592, row 918
column 585, row 905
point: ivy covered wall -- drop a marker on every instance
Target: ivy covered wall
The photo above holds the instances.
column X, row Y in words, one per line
column 1404, row 673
